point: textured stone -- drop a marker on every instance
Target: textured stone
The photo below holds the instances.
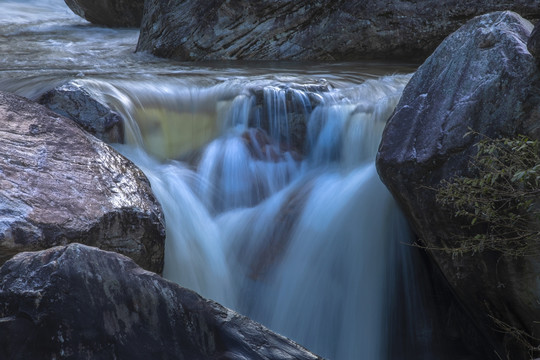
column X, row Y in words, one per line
column 78, row 302
column 533, row 45
column 307, row 30
column 113, row 13
column 74, row 102
column 59, row 184
column 482, row 78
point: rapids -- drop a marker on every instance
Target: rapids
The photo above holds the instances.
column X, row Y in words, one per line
column 265, row 172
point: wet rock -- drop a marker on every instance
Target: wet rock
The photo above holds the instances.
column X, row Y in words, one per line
column 281, row 110
column 482, row 78
column 79, row 302
column 74, row 102
column 59, row 184
column 307, row 30
column 113, row 13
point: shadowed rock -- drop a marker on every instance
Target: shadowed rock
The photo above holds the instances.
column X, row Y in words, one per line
column 482, row 78
column 113, row 13
column 74, row 102
column 59, row 184
column 79, row 302
column 533, row 45
column 307, row 29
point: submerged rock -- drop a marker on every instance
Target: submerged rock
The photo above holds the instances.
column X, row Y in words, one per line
column 74, row 102
column 113, row 13
column 307, row 30
column 79, row 302
column 482, row 78
column 283, row 111
column 59, row 184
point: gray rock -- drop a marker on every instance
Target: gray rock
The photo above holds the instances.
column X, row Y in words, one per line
column 533, row 45
column 482, row 78
column 59, row 184
column 79, row 302
column 307, row 29
column 112, row 13
column 74, row 102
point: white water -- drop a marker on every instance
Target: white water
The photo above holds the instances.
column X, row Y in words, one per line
column 307, row 247
column 303, row 238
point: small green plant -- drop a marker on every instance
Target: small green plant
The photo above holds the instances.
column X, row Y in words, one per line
column 500, row 201
column 500, row 206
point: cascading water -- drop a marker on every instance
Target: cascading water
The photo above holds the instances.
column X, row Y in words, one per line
column 266, row 177
column 300, row 238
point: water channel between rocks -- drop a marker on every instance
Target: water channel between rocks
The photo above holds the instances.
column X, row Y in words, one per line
column 265, row 172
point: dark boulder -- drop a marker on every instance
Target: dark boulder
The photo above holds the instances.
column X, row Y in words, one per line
column 78, row 302
column 533, row 45
column 482, row 78
column 74, row 102
column 59, row 184
column 307, row 29
column 112, row 13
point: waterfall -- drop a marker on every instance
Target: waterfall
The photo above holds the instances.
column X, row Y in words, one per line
column 265, row 173
column 273, row 205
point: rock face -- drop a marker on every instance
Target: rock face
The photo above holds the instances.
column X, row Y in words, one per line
column 79, row 302
column 482, row 78
column 74, row 102
column 533, row 45
column 59, row 184
column 307, row 30
column 113, row 13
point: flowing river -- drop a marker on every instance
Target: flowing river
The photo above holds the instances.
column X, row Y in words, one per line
column 265, row 172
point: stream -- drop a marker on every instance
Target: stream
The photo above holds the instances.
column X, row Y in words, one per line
column 265, row 172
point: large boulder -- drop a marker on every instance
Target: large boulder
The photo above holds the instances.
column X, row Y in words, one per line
column 307, row 29
column 482, row 78
column 78, row 302
column 73, row 101
column 112, row 13
column 59, row 184
column 533, row 45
